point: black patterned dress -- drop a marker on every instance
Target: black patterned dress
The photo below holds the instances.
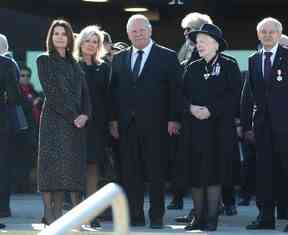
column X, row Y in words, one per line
column 62, row 146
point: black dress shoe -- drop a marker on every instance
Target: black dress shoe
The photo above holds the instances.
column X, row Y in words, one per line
column 176, row 204
column 156, row 224
column 187, row 218
column 2, row 226
column 195, row 224
column 244, row 202
column 260, row 224
column 286, row 229
column 230, row 210
column 95, row 223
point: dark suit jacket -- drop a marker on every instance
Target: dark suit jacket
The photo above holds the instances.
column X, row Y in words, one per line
column 153, row 98
column 9, row 92
column 270, row 97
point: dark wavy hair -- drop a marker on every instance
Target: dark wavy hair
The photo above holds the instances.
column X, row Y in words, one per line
column 69, row 32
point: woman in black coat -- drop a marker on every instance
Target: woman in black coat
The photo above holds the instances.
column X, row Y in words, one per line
column 89, row 50
column 210, row 94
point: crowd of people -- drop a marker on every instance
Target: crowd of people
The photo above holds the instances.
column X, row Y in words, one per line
column 191, row 114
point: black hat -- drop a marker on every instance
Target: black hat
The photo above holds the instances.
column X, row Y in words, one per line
column 212, row 30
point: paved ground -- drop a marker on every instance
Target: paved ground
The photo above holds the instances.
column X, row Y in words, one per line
column 27, row 210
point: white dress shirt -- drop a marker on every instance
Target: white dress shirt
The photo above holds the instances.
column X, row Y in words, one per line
column 146, row 51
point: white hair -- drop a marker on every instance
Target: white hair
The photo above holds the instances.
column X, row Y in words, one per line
column 277, row 24
column 138, row 17
column 283, row 41
column 195, row 20
column 4, row 47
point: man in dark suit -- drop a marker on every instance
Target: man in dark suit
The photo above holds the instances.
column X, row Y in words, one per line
column 268, row 82
column 9, row 96
column 145, row 89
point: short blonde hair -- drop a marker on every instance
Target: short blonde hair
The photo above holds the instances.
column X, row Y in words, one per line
column 275, row 22
column 195, row 20
column 86, row 34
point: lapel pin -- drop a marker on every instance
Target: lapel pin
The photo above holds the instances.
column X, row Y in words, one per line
column 279, row 77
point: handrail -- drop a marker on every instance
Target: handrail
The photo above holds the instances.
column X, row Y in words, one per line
column 110, row 194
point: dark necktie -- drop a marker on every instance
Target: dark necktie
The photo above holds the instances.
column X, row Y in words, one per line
column 137, row 65
column 267, row 65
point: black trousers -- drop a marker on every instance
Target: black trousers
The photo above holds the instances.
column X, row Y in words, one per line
column 228, row 195
column 142, row 156
column 272, row 170
column 248, row 170
column 4, row 175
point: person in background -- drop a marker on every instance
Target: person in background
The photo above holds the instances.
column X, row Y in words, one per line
column 9, row 97
column 66, row 110
column 107, row 43
column 26, row 140
column 89, row 51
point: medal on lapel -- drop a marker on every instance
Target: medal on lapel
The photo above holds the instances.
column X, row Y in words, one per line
column 279, row 77
column 206, row 76
column 216, row 70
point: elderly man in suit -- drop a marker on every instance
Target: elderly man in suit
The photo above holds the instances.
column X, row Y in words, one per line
column 268, row 83
column 145, row 91
column 9, row 96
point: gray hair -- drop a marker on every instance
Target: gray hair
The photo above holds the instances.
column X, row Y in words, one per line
column 86, row 34
column 283, row 41
column 4, row 47
column 195, row 20
column 138, row 17
column 277, row 24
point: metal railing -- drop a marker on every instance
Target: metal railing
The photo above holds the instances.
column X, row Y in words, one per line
column 111, row 194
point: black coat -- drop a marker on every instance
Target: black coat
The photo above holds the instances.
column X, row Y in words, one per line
column 270, row 98
column 9, row 97
column 9, row 91
column 270, row 118
column 62, row 146
column 209, row 144
column 153, row 97
column 97, row 78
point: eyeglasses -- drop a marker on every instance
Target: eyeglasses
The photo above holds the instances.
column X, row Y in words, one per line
column 25, row 75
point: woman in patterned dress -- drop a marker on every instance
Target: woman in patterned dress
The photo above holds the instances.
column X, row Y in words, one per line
column 66, row 109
